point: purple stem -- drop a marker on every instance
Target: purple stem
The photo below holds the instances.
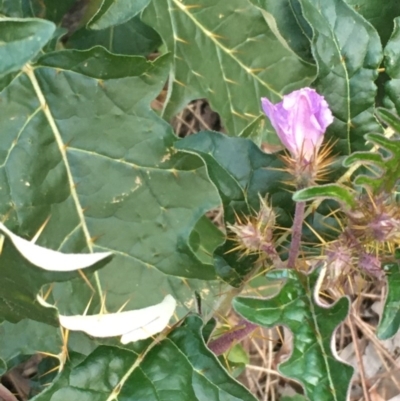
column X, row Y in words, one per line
column 238, row 333
column 296, row 234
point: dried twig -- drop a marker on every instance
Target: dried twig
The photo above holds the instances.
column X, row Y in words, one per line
column 6, row 395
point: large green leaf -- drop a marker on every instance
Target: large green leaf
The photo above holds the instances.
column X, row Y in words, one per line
column 348, row 53
column 389, row 324
column 132, row 37
column 112, row 373
column 241, row 172
column 47, row 9
column 28, row 337
column 20, row 41
column 286, row 20
column 224, row 51
column 379, row 14
column 384, row 165
column 107, row 178
column 327, row 191
column 116, row 12
column 96, row 63
column 23, row 278
column 392, row 66
column 22, row 282
column 312, row 362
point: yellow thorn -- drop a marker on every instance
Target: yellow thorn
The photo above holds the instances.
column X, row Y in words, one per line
column 254, row 70
column 230, row 81
column 103, row 308
column 95, row 238
column 87, row 306
column 49, row 371
column 231, row 51
column 213, row 35
column 189, row 7
column 197, row 74
column 40, row 230
column 371, row 199
column 123, row 306
column 186, row 283
column 238, row 114
column 177, row 39
column 48, row 292
column 48, row 354
column 86, row 280
column 315, row 233
column 180, row 83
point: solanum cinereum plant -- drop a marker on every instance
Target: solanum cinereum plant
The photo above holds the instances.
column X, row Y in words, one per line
column 111, row 267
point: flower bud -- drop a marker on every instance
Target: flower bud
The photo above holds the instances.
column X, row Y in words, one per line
column 385, row 228
column 255, row 234
column 300, row 121
column 371, row 264
column 266, row 216
column 248, row 235
column 339, row 258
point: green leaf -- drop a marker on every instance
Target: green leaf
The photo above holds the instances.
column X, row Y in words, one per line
column 384, row 167
column 328, row 191
column 28, row 337
column 389, row 324
column 12, row 8
column 237, row 354
column 392, row 68
column 255, row 130
column 389, row 118
column 235, row 360
column 97, row 63
column 205, row 238
column 233, row 68
column 312, row 361
column 108, row 179
column 3, row 367
column 46, row 9
column 116, row 12
column 132, row 38
column 348, row 53
column 23, row 282
column 111, row 372
column 20, row 41
column 286, row 20
column 240, row 171
column 379, row 14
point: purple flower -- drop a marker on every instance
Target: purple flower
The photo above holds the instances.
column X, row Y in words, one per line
column 300, row 121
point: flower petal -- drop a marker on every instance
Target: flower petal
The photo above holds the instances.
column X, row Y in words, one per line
column 278, row 116
column 300, row 121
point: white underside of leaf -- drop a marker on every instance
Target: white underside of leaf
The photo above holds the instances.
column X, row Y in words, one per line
column 131, row 325
column 49, row 259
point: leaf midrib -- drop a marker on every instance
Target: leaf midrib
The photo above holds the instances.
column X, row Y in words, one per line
column 220, row 46
column 29, row 71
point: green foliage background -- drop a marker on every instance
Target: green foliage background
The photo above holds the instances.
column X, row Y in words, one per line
column 81, row 146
